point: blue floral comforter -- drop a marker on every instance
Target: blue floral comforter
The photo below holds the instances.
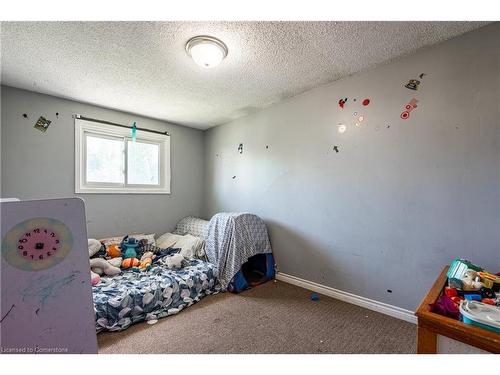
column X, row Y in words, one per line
column 131, row 297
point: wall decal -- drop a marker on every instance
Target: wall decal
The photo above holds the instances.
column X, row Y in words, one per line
column 361, row 118
column 234, row 177
column 409, row 107
column 134, row 132
column 267, row 147
column 336, row 148
column 42, row 124
column 342, row 102
column 412, row 84
column 240, row 148
column 366, row 102
column 342, row 128
column 25, row 115
column 422, row 75
column 57, row 114
column 355, row 113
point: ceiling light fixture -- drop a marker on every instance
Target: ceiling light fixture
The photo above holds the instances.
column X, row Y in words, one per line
column 206, row 51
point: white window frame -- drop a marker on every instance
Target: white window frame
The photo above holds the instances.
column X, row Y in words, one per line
column 84, row 127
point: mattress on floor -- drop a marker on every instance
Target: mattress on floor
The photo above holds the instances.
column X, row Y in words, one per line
column 132, row 297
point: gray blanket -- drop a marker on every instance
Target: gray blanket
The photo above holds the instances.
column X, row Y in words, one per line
column 232, row 238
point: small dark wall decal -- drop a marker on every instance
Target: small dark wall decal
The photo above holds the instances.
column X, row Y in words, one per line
column 408, row 108
column 389, row 291
column 366, row 102
column 25, row 115
column 412, row 84
column 234, row 177
column 336, row 148
column 240, row 148
column 421, row 75
column 57, row 114
column 267, row 147
column 342, row 102
column 42, row 124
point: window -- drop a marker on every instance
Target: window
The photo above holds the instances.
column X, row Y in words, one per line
column 107, row 160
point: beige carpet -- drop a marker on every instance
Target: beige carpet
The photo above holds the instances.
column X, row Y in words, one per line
column 272, row 318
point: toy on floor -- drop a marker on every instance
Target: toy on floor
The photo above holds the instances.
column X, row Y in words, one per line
column 314, row 297
column 102, row 266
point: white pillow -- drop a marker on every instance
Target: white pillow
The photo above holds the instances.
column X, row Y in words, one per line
column 167, row 240
column 191, row 246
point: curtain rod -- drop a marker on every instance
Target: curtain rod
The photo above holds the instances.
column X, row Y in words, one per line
column 80, row 117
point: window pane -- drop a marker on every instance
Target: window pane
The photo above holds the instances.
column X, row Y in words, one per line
column 104, row 160
column 143, row 163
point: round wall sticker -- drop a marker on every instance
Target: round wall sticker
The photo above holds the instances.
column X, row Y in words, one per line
column 37, row 244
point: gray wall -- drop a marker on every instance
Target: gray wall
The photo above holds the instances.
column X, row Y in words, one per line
column 395, row 204
column 41, row 165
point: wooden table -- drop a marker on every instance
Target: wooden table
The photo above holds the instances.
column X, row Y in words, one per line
column 430, row 325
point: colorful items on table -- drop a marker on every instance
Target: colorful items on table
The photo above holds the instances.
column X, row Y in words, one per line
column 450, row 292
column 445, row 306
column 472, row 297
column 471, row 290
column 481, row 315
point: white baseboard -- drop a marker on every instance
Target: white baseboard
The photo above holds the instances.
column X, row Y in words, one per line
column 384, row 308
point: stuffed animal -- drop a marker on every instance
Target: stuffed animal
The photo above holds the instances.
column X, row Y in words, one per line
column 113, row 251
column 129, row 247
column 94, row 247
column 102, row 266
column 469, row 282
column 146, row 260
column 117, row 262
column 94, row 278
column 174, row 261
column 130, row 262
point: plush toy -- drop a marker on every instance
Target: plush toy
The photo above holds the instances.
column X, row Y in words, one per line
column 174, row 261
column 129, row 247
column 117, row 262
column 102, row 266
column 146, row 260
column 130, row 262
column 469, row 282
column 94, row 278
column 113, row 251
column 94, row 247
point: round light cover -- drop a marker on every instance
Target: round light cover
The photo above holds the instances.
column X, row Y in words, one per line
column 206, row 51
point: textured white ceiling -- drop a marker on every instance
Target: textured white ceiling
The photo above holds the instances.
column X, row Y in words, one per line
column 142, row 67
